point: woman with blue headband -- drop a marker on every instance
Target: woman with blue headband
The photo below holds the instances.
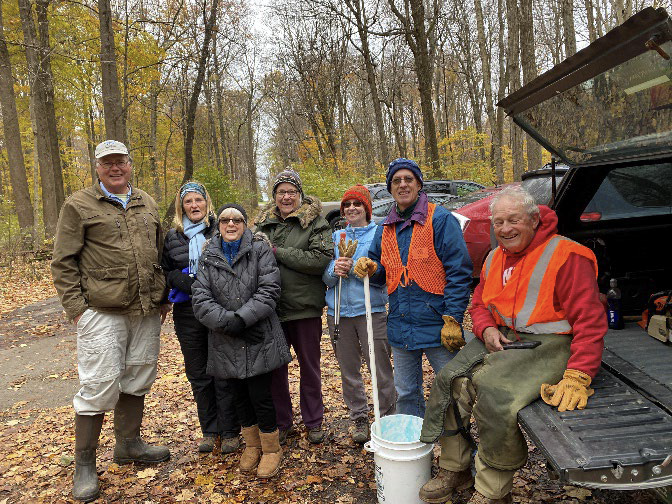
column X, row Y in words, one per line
column 194, row 223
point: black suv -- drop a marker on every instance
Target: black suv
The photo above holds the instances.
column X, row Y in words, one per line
column 454, row 187
column 607, row 113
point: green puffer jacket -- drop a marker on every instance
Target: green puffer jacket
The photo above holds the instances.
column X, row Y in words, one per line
column 107, row 258
column 303, row 249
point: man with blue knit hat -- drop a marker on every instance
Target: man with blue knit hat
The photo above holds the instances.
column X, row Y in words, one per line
column 106, row 270
column 419, row 252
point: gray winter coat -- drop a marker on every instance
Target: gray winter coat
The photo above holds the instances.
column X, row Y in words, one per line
column 250, row 287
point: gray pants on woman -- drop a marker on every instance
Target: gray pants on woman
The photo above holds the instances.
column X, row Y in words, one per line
column 351, row 346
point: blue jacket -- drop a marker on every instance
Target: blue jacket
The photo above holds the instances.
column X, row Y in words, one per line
column 415, row 318
column 352, row 293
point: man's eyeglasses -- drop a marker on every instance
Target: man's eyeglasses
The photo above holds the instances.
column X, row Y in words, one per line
column 355, row 203
column 290, row 192
column 236, row 220
column 110, row 164
column 397, row 180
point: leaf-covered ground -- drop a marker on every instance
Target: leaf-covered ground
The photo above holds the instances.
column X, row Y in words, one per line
column 36, row 444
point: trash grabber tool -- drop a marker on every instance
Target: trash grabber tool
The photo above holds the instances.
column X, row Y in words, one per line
column 345, row 250
column 372, row 353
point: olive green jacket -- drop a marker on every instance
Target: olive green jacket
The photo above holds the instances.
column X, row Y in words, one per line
column 303, row 249
column 107, row 258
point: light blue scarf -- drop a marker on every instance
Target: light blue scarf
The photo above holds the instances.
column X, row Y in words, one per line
column 194, row 231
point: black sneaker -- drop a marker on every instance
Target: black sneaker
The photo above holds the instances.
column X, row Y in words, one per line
column 283, row 434
column 361, row 433
column 318, row 434
column 230, row 445
column 207, row 444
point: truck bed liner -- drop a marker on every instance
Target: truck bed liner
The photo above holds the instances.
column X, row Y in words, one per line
column 624, row 436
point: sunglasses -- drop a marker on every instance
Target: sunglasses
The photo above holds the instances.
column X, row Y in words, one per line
column 236, row 220
column 354, row 203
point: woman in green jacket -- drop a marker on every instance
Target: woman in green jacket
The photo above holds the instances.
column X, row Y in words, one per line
column 302, row 246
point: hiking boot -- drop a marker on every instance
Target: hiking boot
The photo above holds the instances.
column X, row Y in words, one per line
column 85, row 480
column 129, row 446
column 317, row 434
column 283, row 434
column 230, row 444
column 478, row 498
column 271, row 454
column 361, row 433
column 251, row 456
column 441, row 487
column 207, row 444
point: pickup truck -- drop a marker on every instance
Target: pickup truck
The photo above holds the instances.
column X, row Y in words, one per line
column 606, row 112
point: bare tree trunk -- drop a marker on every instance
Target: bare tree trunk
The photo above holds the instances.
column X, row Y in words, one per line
column 219, row 100
column 153, row 124
column 503, row 80
column 41, row 7
column 416, row 35
column 10, row 123
column 214, row 141
column 487, row 84
column 529, row 65
column 190, row 119
column 569, row 34
column 115, row 123
column 357, row 8
column 514, row 84
column 590, row 20
column 91, row 143
column 38, row 96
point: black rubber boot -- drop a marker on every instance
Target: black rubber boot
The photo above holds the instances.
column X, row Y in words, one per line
column 129, row 445
column 85, row 481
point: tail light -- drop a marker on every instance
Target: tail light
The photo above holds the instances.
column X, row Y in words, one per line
column 591, row 216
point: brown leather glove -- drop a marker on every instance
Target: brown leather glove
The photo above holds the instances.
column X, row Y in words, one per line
column 571, row 392
column 347, row 250
column 451, row 334
column 365, row 267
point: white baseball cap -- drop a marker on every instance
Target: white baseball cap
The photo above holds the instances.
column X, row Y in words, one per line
column 110, row 147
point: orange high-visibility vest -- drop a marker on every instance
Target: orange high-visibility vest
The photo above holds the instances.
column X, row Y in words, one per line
column 525, row 303
column 423, row 265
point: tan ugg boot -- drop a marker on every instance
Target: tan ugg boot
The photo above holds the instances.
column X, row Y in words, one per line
column 271, row 454
column 249, row 460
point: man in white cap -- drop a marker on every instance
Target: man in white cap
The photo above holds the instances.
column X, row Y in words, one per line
column 106, row 269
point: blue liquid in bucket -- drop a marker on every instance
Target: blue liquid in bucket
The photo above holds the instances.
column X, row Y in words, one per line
column 401, row 428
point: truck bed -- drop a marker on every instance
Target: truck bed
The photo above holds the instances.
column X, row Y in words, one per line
column 623, row 439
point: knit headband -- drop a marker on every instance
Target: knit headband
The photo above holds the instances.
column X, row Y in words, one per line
column 191, row 187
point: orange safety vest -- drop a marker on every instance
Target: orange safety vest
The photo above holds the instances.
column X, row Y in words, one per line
column 423, row 265
column 525, row 303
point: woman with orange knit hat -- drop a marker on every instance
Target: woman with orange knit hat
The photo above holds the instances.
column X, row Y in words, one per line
column 352, row 343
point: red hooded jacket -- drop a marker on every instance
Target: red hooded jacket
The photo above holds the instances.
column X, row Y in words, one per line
column 575, row 291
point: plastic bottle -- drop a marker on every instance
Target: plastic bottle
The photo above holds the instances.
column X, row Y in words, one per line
column 614, row 312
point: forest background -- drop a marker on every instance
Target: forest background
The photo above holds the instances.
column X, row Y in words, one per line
column 230, row 92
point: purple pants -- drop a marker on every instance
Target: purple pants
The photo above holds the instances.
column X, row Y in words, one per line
column 304, row 335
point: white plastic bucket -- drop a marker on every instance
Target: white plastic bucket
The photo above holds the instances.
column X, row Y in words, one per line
column 402, row 462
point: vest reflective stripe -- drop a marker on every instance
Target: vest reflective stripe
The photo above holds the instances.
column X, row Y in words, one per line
column 422, row 266
column 488, row 261
column 546, row 263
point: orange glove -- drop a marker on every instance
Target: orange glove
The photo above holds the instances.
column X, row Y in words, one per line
column 571, row 392
column 365, row 266
column 451, row 334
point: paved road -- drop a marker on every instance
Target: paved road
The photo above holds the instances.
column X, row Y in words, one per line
column 38, row 353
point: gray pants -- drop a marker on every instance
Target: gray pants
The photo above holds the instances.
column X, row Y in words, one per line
column 351, row 346
column 115, row 353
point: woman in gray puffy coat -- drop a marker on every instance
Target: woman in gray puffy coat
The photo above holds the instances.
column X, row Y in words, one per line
column 235, row 293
